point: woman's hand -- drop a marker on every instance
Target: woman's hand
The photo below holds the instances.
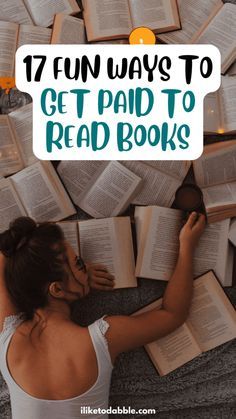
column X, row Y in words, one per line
column 191, row 232
column 100, row 278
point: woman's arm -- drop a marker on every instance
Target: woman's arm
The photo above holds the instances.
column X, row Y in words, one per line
column 7, row 308
column 126, row 333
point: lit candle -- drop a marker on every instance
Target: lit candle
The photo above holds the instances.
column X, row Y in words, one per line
column 142, row 36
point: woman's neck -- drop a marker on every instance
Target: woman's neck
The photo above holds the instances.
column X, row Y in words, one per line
column 58, row 309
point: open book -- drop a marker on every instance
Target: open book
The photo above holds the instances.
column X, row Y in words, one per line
column 36, row 12
column 117, row 18
column 220, row 108
column 215, row 173
column 160, row 180
column 35, row 191
column 107, row 242
column 193, row 15
column 102, row 189
column 68, row 30
column 158, row 245
column 16, row 140
column 221, row 32
column 12, row 36
column 211, row 322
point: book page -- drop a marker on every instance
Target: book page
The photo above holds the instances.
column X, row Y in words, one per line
column 212, row 250
column 71, row 233
column 8, row 40
column 141, row 216
column 158, row 15
column 106, row 18
column 219, row 196
column 228, row 102
column 111, row 192
column 15, row 11
column 212, row 317
column 104, row 242
column 10, row 160
column 232, row 232
column 193, row 14
column 230, row 60
column 212, row 114
column 123, row 248
column 228, row 281
column 68, row 30
column 10, row 204
column 38, row 195
column 175, row 168
column 216, row 167
column 157, row 256
column 158, row 251
column 61, row 193
column 96, row 242
column 111, row 42
column 232, row 70
column 76, row 175
column 43, row 11
column 29, row 34
column 221, row 32
column 164, row 185
column 21, row 122
column 173, row 350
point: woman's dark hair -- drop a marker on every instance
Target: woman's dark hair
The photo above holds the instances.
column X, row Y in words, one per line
column 35, row 257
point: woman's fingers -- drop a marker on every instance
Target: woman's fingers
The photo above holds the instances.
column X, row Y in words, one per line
column 100, row 271
column 102, row 287
column 196, row 221
column 102, row 274
column 104, row 281
column 200, row 223
column 191, row 220
column 100, row 278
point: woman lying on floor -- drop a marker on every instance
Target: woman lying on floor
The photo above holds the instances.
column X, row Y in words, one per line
column 52, row 366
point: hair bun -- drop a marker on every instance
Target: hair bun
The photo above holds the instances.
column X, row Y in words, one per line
column 19, row 232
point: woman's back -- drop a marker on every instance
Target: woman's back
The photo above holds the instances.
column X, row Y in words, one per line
column 72, row 365
column 54, row 368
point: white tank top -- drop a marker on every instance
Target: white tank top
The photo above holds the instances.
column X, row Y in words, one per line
column 25, row 406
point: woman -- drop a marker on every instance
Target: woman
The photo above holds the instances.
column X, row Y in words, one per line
column 52, row 366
